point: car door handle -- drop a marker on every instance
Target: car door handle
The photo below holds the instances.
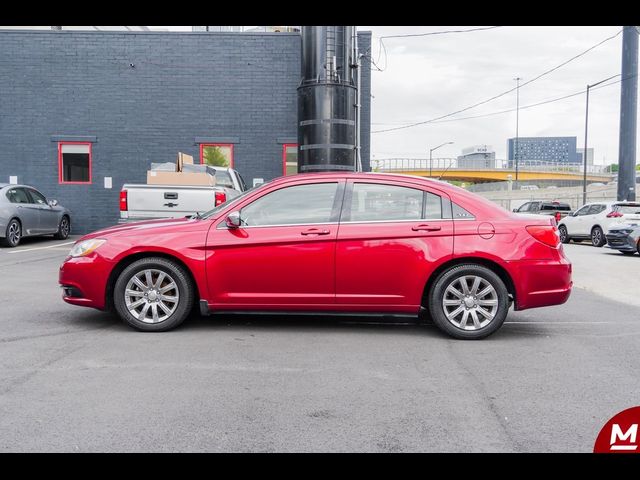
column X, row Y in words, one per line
column 426, row 228
column 315, row 231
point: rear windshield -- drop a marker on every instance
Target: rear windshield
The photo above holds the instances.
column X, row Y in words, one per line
column 223, row 179
column 634, row 208
column 563, row 207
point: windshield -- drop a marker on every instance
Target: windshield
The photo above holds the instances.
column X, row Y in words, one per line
column 233, row 201
column 626, row 209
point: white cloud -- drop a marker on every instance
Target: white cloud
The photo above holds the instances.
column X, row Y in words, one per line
column 426, row 77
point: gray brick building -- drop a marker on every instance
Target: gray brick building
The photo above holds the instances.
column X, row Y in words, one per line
column 136, row 98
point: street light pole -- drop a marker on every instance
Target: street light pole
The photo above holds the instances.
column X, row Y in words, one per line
column 431, row 158
column 586, row 131
column 515, row 154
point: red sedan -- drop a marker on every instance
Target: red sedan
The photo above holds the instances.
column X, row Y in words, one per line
column 330, row 242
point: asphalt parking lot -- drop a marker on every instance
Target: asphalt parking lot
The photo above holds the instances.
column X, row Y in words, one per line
column 78, row 380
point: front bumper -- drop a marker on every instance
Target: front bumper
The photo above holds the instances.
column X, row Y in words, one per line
column 621, row 241
column 84, row 280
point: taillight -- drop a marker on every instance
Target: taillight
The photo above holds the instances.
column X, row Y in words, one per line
column 558, row 216
column 221, row 197
column 614, row 215
column 123, row 201
column 547, row 234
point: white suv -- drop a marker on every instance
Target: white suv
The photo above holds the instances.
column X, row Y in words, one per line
column 593, row 220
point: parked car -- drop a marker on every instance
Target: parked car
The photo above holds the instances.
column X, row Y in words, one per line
column 557, row 210
column 625, row 238
column 328, row 242
column 150, row 202
column 593, row 220
column 25, row 212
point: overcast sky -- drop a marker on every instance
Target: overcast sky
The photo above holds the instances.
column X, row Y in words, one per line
column 430, row 76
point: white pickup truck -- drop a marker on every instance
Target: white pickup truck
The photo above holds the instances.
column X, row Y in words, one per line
column 149, row 202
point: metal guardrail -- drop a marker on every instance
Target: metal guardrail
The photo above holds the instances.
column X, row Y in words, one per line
column 415, row 164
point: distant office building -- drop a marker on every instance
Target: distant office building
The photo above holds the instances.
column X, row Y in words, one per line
column 81, row 28
column 544, row 149
column 477, row 156
column 589, row 156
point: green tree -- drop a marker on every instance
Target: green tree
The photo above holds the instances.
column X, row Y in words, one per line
column 215, row 156
column 613, row 168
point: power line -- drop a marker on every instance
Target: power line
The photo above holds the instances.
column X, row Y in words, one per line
column 382, row 47
column 503, row 93
column 439, row 33
column 543, row 102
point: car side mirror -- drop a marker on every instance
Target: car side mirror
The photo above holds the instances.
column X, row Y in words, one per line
column 53, row 203
column 233, row 220
column 515, row 210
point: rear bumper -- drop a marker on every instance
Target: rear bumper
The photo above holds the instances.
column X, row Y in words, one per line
column 540, row 283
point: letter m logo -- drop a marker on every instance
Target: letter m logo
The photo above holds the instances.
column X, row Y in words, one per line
column 629, row 437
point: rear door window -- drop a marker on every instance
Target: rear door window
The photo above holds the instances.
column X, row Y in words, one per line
column 18, row 195
column 378, row 202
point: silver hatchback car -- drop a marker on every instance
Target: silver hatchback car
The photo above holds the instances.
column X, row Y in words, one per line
column 25, row 212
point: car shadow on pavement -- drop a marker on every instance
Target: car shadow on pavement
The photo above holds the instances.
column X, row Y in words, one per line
column 298, row 324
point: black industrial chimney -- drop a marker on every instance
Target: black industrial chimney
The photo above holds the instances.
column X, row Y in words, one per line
column 327, row 98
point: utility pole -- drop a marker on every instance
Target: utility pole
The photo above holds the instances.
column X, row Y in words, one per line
column 628, row 115
column 515, row 150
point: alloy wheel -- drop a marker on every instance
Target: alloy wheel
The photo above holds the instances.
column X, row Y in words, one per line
column 151, row 296
column 64, row 227
column 470, row 302
column 14, row 233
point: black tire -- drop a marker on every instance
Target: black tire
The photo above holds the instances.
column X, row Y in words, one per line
column 564, row 237
column 176, row 273
column 438, row 293
column 63, row 229
column 13, row 234
column 597, row 237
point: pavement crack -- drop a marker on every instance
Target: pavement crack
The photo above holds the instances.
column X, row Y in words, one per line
column 21, row 379
column 488, row 400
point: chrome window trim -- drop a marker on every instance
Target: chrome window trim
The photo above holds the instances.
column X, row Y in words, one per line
column 419, row 220
column 223, row 226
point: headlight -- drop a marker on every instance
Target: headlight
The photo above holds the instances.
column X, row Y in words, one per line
column 85, row 248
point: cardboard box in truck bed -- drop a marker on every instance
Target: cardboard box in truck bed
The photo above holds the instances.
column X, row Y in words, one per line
column 179, row 177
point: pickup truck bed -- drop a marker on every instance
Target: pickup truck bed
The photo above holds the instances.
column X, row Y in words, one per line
column 140, row 202
column 558, row 210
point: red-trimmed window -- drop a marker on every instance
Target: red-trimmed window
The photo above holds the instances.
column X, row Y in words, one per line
column 74, row 163
column 217, row 154
column 290, row 159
